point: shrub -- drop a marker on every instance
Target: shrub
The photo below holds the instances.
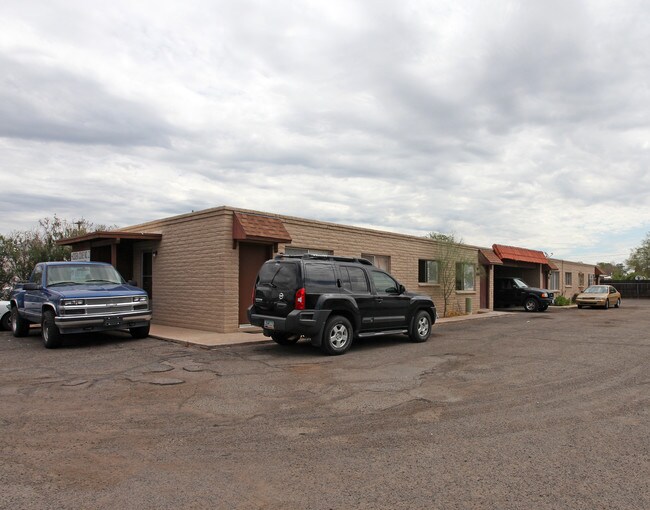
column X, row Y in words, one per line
column 562, row 301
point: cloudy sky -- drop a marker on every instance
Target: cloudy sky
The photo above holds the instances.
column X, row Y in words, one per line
column 522, row 123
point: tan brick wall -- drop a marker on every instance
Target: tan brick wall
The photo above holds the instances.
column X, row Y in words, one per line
column 576, row 269
column 196, row 270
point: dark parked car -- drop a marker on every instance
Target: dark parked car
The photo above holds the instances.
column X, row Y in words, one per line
column 511, row 291
column 333, row 300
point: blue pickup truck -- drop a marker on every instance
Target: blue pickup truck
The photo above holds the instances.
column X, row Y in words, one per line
column 78, row 297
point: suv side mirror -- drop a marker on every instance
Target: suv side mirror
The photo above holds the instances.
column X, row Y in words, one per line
column 401, row 289
column 31, row 286
column 133, row 283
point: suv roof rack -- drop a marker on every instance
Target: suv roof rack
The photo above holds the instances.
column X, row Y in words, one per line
column 336, row 258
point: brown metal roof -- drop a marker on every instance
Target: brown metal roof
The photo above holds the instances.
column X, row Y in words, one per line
column 115, row 235
column 519, row 254
column 253, row 227
column 490, row 257
column 552, row 266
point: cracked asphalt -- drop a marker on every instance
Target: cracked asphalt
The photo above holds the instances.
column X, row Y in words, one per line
column 546, row 410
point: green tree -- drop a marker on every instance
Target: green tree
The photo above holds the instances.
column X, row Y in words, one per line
column 20, row 251
column 451, row 252
column 613, row 269
column 639, row 260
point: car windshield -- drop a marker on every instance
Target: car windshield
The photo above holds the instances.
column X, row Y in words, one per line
column 596, row 289
column 519, row 283
column 75, row 274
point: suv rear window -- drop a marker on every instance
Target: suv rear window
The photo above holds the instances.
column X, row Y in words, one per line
column 354, row 279
column 320, row 276
column 283, row 275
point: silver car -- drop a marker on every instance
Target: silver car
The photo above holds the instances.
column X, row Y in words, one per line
column 5, row 315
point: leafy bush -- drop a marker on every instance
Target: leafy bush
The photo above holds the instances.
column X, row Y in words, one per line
column 562, row 301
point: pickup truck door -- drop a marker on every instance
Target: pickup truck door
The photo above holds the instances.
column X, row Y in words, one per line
column 390, row 306
column 34, row 298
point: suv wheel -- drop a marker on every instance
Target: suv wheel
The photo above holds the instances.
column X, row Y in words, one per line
column 285, row 338
column 531, row 305
column 51, row 334
column 420, row 327
column 337, row 335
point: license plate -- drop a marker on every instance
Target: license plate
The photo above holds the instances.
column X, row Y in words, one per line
column 113, row 321
column 269, row 324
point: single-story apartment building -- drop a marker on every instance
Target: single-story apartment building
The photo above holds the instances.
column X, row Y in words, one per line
column 199, row 268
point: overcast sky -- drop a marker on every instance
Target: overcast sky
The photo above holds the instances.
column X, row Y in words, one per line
column 523, row 123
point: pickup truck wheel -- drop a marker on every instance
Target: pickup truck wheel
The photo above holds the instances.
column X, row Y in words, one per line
column 420, row 327
column 5, row 322
column 19, row 326
column 285, row 338
column 531, row 304
column 140, row 332
column 337, row 335
column 51, row 334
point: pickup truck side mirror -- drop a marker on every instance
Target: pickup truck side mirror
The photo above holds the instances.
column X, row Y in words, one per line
column 31, row 286
column 133, row 283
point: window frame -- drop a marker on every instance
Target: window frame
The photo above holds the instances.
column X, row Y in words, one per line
column 568, row 279
column 424, row 267
column 373, row 259
column 461, row 282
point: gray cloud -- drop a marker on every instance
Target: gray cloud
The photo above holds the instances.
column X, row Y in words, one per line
column 38, row 102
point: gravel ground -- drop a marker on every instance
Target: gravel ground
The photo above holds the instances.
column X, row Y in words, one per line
column 545, row 410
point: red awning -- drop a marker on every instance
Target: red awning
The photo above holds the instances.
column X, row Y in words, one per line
column 489, row 257
column 520, row 254
column 253, row 227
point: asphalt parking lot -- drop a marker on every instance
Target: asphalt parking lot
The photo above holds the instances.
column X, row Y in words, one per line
column 545, row 410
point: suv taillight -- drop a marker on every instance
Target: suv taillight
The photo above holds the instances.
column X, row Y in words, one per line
column 300, row 299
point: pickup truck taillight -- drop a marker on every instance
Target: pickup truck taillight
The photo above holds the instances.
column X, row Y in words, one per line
column 300, row 299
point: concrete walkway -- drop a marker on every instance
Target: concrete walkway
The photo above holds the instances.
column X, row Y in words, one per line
column 254, row 335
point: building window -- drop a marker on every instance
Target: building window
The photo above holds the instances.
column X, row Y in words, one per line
column 568, row 279
column 427, row 271
column 554, row 280
column 464, row 276
column 592, row 279
column 581, row 279
column 380, row 261
column 292, row 250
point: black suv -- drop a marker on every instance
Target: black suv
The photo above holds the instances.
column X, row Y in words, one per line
column 333, row 300
column 511, row 291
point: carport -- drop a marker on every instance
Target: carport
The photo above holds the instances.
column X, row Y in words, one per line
column 532, row 266
column 130, row 253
